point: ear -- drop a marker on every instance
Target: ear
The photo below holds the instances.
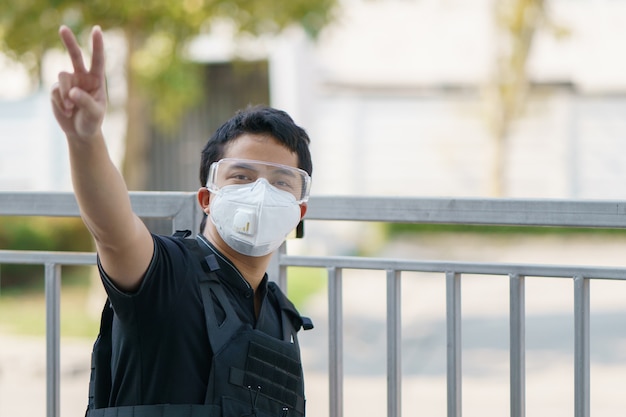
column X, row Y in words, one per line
column 303, row 208
column 204, row 197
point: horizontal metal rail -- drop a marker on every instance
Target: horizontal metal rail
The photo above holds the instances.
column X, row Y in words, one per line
column 181, row 207
column 471, row 211
column 474, row 268
column 18, row 257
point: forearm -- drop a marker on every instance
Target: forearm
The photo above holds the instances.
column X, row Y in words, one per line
column 101, row 192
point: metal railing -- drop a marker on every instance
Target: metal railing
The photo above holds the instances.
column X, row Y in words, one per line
column 587, row 214
column 182, row 209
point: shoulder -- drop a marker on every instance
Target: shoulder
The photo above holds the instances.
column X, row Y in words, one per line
column 172, row 247
column 279, row 297
column 170, row 259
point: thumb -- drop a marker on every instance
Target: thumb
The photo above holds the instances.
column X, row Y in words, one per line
column 89, row 113
column 82, row 100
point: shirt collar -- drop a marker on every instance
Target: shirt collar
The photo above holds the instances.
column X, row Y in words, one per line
column 227, row 271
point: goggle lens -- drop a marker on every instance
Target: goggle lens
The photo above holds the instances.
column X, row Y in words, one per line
column 235, row 171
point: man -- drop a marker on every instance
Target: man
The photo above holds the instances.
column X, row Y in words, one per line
column 192, row 326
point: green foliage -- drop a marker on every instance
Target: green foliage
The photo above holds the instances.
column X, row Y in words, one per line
column 38, row 233
column 162, row 84
column 173, row 83
column 263, row 16
column 156, row 32
column 399, row 229
column 302, row 283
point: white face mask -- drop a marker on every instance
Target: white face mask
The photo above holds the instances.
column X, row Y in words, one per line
column 254, row 219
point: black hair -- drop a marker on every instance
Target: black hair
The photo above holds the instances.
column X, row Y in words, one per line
column 261, row 120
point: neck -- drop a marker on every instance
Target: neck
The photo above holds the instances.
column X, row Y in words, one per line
column 251, row 268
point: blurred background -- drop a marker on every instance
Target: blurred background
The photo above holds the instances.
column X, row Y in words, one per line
column 506, row 98
column 454, row 98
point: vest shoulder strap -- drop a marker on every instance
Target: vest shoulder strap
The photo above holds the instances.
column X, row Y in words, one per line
column 214, row 298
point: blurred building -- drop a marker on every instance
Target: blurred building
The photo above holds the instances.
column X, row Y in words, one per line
column 33, row 153
column 397, row 101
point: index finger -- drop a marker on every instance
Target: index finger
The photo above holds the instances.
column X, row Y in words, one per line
column 71, row 44
column 97, row 54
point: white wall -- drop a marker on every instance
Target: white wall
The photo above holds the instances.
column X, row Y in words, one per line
column 33, row 153
column 385, row 121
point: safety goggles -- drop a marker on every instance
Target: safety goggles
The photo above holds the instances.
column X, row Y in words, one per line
column 235, row 171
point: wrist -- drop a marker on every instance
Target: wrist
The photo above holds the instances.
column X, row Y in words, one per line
column 85, row 138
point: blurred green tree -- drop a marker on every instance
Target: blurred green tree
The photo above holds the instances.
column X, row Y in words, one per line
column 516, row 23
column 161, row 83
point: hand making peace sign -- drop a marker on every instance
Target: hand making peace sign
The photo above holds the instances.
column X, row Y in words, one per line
column 79, row 99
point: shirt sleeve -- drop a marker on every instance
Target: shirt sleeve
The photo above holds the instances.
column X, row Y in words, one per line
column 159, row 287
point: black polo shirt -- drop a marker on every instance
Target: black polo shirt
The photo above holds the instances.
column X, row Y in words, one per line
column 161, row 352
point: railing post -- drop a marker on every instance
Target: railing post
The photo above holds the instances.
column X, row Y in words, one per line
column 189, row 215
column 453, row 320
column 335, row 342
column 517, row 337
column 275, row 270
column 53, row 338
column 394, row 338
column 581, row 348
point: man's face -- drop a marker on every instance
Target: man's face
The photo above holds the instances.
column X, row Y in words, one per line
column 253, row 147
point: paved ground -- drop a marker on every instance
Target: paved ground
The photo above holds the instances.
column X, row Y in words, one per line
column 23, row 373
column 549, row 339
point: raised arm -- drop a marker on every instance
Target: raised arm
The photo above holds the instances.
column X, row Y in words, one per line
column 79, row 102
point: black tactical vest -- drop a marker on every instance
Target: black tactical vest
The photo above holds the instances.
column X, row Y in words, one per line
column 252, row 374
